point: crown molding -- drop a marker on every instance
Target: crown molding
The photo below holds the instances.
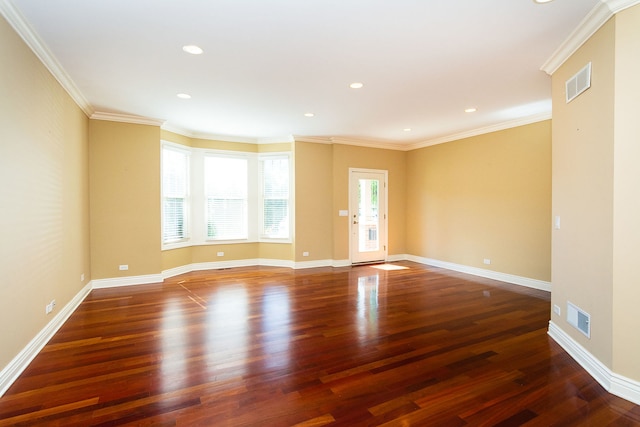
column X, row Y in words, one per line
column 620, row 5
column 42, row 52
column 371, row 144
column 276, row 140
column 224, row 138
column 427, row 143
column 598, row 16
column 481, row 131
column 313, row 140
column 357, row 142
column 227, row 138
column 125, row 118
column 177, row 130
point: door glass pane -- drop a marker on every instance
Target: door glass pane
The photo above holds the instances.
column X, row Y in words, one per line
column 368, row 221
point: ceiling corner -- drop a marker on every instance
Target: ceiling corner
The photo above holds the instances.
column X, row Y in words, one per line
column 40, row 49
column 587, row 27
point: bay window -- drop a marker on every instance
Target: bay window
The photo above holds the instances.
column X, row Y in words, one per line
column 215, row 196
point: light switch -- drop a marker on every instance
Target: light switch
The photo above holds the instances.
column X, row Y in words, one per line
column 556, row 223
column 343, row 212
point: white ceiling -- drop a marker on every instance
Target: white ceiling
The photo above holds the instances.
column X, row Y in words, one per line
column 268, row 62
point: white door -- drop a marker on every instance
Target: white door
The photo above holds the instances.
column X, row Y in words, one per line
column 368, row 215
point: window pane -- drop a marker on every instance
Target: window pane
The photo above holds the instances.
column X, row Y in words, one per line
column 174, row 194
column 174, row 173
column 275, row 197
column 276, row 178
column 174, row 215
column 226, row 190
column 276, row 218
column 226, row 219
column 368, row 220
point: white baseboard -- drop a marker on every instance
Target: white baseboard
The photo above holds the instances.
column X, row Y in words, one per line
column 217, row 265
column 266, row 262
column 397, row 257
column 503, row 277
column 126, row 281
column 12, row 371
column 619, row 385
column 340, row 263
column 313, row 264
column 489, row 274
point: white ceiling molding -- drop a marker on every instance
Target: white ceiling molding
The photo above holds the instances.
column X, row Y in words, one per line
column 177, row 130
column 449, row 138
column 370, row 144
column 276, row 140
column 481, row 131
column 313, row 140
column 227, row 138
column 125, row 118
column 587, row 28
column 620, row 5
column 39, row 48
column 346, row 141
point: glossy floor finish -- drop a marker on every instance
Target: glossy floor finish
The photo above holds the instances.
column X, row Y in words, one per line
column 358, row 346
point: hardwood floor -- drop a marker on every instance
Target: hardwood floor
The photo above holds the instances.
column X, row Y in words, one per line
column 355, row 346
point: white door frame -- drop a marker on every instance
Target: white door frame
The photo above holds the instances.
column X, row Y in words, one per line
column 353, row 210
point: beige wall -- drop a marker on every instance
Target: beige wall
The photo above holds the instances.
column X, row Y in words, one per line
column 595, row 191
column 44, row 220
column 582, row 193
column 626, row 196
column 125, row 199
column 314, row 201
column 348, row 156
column 488, row 196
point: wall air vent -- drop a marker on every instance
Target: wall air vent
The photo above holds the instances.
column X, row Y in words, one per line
column 578, row 83
column 579, row 319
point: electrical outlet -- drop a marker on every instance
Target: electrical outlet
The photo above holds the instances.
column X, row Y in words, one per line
column 305, row 253
column 82, row 277
column 124, row 267
column 49, row 307
column 556, row 309
column 220, row 253
column 487, row 261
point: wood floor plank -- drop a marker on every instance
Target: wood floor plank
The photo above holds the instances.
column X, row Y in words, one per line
column 265, row 346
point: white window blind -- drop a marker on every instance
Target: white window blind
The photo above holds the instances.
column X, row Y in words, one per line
column 175, row 190
column 275, row 180
column 226, row 197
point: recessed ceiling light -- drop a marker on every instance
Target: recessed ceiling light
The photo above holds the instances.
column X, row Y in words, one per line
column 183, row 96
column 407, row 129
column 470, row 110
column 308, row 114
column 542, row 1
column 356, row 85
column 192, row 49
